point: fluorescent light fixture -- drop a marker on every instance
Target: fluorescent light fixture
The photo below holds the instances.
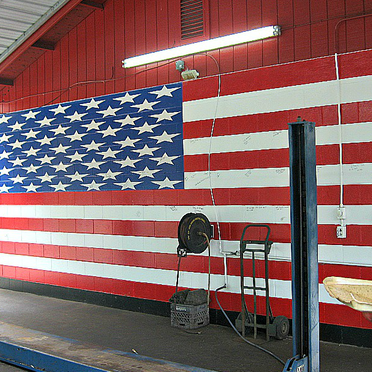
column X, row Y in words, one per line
column 203, row 46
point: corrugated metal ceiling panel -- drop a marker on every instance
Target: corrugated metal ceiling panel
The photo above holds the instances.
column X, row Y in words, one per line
column 20, row 18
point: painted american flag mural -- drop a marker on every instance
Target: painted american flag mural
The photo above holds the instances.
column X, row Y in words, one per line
column 118, row 233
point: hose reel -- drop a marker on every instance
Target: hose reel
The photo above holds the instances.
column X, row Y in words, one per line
column 192, row 229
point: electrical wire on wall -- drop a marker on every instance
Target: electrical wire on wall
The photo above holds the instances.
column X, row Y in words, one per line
column 224, row 254
column 339, row 120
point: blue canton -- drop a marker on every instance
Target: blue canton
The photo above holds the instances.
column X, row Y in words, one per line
column 121, row 141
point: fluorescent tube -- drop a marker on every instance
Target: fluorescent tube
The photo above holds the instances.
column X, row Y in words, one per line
column 203, row 46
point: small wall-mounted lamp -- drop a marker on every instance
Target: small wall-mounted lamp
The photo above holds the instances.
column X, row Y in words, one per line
column 203, row 46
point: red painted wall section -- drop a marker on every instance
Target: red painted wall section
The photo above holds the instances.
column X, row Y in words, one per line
column 87, row 61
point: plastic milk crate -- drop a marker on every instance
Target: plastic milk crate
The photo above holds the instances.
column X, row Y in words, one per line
column 189, row 316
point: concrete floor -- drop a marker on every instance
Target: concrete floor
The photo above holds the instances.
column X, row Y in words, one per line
column 213, row 347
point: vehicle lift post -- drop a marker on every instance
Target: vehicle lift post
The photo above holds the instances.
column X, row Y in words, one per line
column 304, row 248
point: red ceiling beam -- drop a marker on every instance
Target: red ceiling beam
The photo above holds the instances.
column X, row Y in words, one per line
column 52, row 21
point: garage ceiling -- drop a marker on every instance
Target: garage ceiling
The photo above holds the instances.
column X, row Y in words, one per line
column 21, row 19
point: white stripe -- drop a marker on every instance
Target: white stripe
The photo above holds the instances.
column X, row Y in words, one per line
column 337, row 254
column 278, row 288
column 325, row 93
column 354, row 174
column 278, row 139
column 277, row 214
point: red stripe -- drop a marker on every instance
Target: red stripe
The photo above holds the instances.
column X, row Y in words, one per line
column 280, row 233
column 278, row 76
column 262, row 78
column 325, row 115
column 329, row 313
column 279, row 270
column 357, row 112
column 329, row 195
column 276, row 158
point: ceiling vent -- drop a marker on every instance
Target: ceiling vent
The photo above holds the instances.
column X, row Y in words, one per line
column 192, row 18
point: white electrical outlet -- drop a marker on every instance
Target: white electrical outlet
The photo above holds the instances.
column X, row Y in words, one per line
column 341, row 232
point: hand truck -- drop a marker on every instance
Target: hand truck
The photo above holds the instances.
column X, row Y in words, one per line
column 277, row 327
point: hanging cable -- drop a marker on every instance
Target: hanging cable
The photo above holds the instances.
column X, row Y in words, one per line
column 224, row 254
column 209, row 268
column 339, row 120
column 243, row 338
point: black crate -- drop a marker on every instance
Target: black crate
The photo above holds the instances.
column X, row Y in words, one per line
column 189, row 316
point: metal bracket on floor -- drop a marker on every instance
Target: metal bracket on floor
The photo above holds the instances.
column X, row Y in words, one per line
column 33, row 360
column 297, row 365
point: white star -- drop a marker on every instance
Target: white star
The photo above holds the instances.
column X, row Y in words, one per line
column 92, row 104
column 146, row 127
column 61, row 167
column 128, row 184
column 165, row 91
column 5, row 155
column 31, row 134
column 5, row 188
column 127, row 121
column 77, row 176
column 109, row 111
column 145, row 105
column 92, row 146
column 4, row 119
column 17, row 179
column 165, row 159
column 60, row 149
column 128, row 142
column 60, row 109
column 4, row 138
column 17, row 161
column 31, row 187
column 146, row 150
column 31, row 151
column 165, row 115
column 60, row 130
column 45, row 141
column 76, row 156
column 166, row 183
column 46, row 159
column 93, row 185
column 31, row 114
column 109, row 153
column 59, row 187
column 109, row 175
column 127, row 98
column 32, row 168
column 76, row 116
column 127, row 162
column 76, row 136
column 5, row 170
column 146, row 172
column 16, row 144
column 165, row 137
column 17, row 126
column 46, row 177
column 93, row 164
column 92, row 125
column 45, row 121
column 109, row 131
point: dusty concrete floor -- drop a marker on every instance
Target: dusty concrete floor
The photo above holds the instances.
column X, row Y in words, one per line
column 213, row 347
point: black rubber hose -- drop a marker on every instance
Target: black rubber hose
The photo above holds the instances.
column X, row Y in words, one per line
column 243, row 338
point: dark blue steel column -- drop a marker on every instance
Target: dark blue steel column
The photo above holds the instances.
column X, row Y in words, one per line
column 304, row 248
